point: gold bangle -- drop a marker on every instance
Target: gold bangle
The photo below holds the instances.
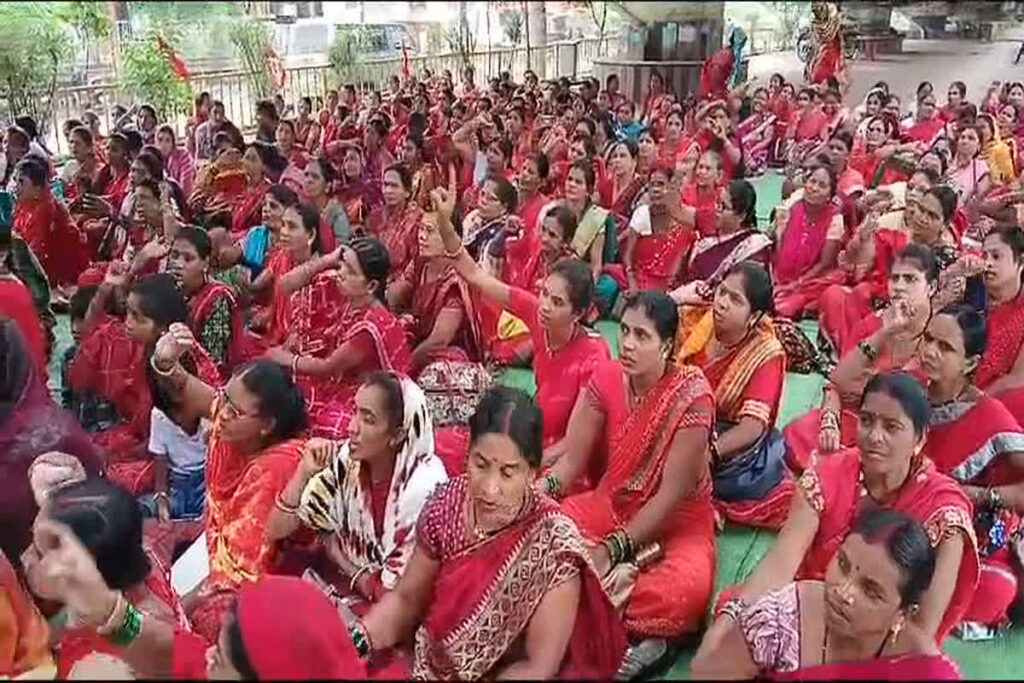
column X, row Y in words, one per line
column 111, row 623
column 355, row 577
column 157, row 370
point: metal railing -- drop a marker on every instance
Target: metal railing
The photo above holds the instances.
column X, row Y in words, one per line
column 572, row 58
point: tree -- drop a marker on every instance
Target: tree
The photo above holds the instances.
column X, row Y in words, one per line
column 252, row 41
column 599, row 13
column 148, row 77
column 90, row 22
column 460, row 39
column 36, row 45
column 350, row 42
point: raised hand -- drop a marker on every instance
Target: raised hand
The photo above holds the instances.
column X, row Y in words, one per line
column 117, row 274
column 317, row 455
column 174, row 343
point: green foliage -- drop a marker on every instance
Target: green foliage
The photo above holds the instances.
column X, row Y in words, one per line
column 199, row 27
column 512, row 21
column 147, row 77
column 89, row 21
column 252, row 40
column 35, row 46
column 460, row 38
column 158, row 13
column 350, row 42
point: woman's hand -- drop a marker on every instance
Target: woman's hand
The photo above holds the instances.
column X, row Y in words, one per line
column 444, row 201
column 317, row 454
column 279, row 355
column 896, row 318
column 154, row 249
column 51, row 471
column 174, row 343
column 117, row 274
column 70, row 573
column 828, row 439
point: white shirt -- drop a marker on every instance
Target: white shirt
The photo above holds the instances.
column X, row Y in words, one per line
column 183, row 451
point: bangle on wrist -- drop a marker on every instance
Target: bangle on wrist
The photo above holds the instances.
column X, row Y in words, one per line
column 281, row 504
column 355, row 577
column 361, row 640
column 129, row 628
column 869, row 351
column 454, row 254
column 158, row 370
column 114, row 619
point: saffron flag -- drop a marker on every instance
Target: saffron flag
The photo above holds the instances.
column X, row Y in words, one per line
column 174, row 59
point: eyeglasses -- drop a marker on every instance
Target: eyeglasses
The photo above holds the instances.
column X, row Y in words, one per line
column 229, row 409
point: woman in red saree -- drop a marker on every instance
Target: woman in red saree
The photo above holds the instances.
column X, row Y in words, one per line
column 261, row 163
column 649, row 519
column 736, row 238
column 805, row 261
column 827, row 61
column 255, row 447
column 45, row 224
column 757, row 134
column 618, row 191
column 887, row 468
column 733, row 341
column 883, row 341
column 531, row 181
column 359, row 192
column 656, row 248
column 112, row 364
column 564, row 352
column 86, row 168
column 318, row 182
column 674, row 144
column 442, row 324
column 341, row 332
column 864, row 634
column 974, row 439
column 704, row 194
column 425, row 174
column 105, row 519
column 1001, row 370
column 397, row 223
column 928, row 126
column 307, row 129
column 872, row 157
column 654, row 99
column 214, row 314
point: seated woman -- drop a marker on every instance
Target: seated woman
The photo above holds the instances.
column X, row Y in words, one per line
column 30, row 425
column 485, row 228
column 703, row 194
column 340, row 331
column 363, row 495
column 640, row 433
column 178, row 164
column 256, row 249
column 397, row 223
column 757, row 134
column 107, row 521
column 809, row 237
column 887, row 468
column 531, row 184
column 112, row 365
column 45, row 224
column 442, row 320
column 214, row 314
column 318, row 185
column 491, row 551
column 883, row 341
column 596, row 240
column 873, row 157
column 735, row 239
column 263, row 165
column 855, row 624
column 1001, row 370
column 299, row 244
column 25, row 645
column 254, row 449
column 564, row 351
column 659, row 237
column 621, row 187
column 359, row 192
column 973, row 438
column 732, row 339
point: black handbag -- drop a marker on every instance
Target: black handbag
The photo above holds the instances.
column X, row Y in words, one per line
column 750, row 475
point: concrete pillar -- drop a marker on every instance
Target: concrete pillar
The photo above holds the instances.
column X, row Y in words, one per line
column 537, row 20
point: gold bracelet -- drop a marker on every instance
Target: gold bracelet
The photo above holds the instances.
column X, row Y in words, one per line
column 355, row 577
column 113, row 620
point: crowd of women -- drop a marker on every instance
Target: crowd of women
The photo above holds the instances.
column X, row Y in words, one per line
column 284, row 353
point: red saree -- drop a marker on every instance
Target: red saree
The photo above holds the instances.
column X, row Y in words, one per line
column 561, row 373
column 434, row 293
column 1005, row 339
column 899, row 668
column 833, row 488
column 800, row 247
column 46, row 226
column 671, row 596
column 111, row 366
column 207, row 330
column 248, row 213
column 658, row 258
column 705, row 201
column 330, row 323
column 16, row 303
column 240, row 494
column 926, row 132
column 400, row 234
column 619, row 200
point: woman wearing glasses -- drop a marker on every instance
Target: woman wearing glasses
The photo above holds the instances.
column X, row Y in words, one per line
column 253, row 451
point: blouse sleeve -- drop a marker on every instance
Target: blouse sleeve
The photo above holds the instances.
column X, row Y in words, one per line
column 316, row 505
column 525, row 306
column 763, row 392
column 771, row 628
column 429, row 525
column 835, row 229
